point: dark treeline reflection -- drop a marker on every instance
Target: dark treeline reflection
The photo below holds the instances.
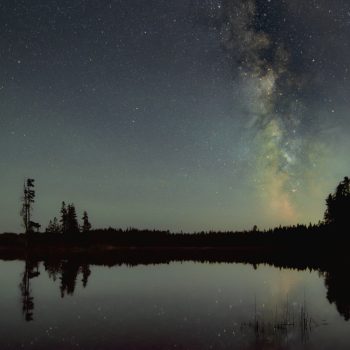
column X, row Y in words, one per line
column 70, row 271
column 31, row 270
column 338, row 290
column 66, row 271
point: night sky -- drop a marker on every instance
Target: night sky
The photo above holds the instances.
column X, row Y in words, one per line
column 176, row 114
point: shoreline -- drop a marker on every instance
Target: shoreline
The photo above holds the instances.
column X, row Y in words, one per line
column 278, row 256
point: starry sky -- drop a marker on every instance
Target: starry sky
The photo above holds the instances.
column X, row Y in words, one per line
column 183, row 115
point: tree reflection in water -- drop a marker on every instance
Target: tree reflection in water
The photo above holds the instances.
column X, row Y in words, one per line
column 68, row 271
column 338, row 290
column 31, row 270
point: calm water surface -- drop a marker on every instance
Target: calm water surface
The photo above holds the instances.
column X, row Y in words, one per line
column 176, row 306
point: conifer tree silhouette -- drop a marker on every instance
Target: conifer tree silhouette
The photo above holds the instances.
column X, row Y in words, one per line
column 338, row 205
column 86, row 223
column 27, row 206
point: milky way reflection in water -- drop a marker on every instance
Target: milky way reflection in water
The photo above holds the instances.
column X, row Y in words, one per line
column 69, row 304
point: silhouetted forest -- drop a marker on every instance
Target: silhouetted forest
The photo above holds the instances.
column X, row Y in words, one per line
column 68, row 249
column 65, row 235
column 66, row 229
column 308, row 237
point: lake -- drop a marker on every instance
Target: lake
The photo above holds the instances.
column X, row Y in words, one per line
column 180, row 305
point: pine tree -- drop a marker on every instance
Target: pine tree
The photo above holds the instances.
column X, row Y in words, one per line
column 72, row 221
column 86, row 224
column 64, row 218
column 27, row 206
column 338, row 205
column 53, row 226
column 49, row 227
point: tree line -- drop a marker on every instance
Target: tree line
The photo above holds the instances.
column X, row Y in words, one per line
column 67, row 224
column 338, row 205
column 336, row 214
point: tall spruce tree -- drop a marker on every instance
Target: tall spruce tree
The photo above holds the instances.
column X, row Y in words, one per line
column 86, row 224
column 27, row 205
column 72, row 221
column 64, row 218
column 338, row 205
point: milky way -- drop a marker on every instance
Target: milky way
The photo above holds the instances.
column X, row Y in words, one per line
column 275, row 77
column 271, row 89
column 182, row 115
